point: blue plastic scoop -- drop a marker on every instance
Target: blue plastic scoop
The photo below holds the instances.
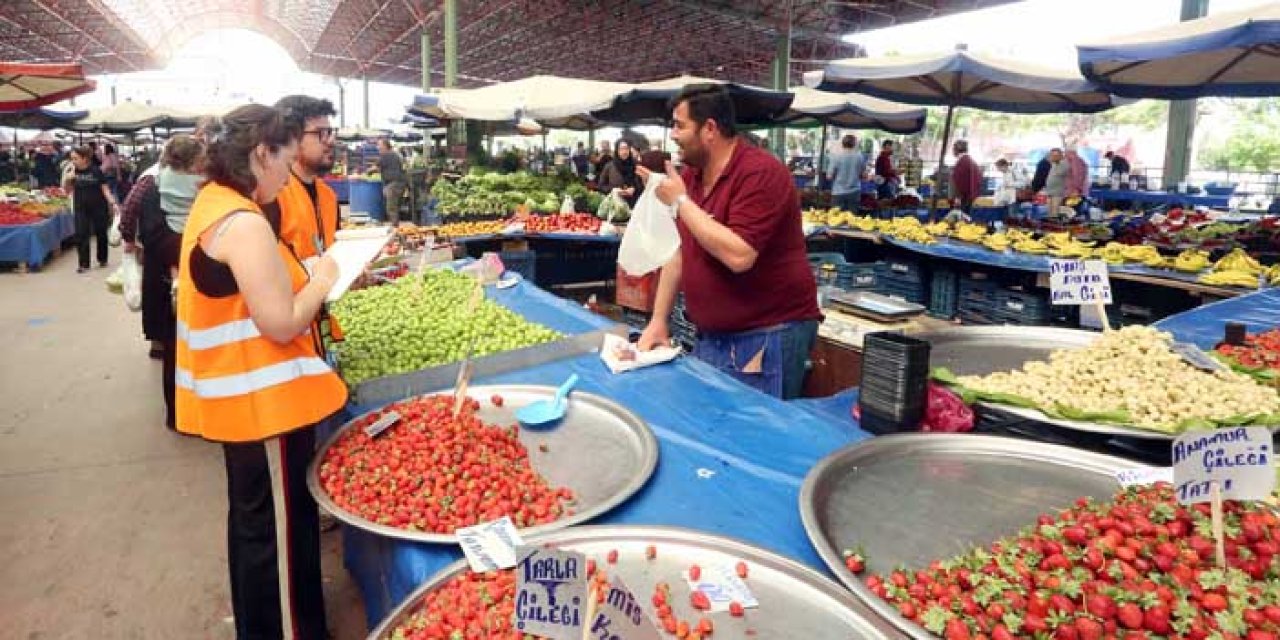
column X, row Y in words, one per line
column 544, row 411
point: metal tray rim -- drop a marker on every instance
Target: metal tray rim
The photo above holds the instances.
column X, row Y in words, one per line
column 656, row 534
column 648, row 464
column 882, row 447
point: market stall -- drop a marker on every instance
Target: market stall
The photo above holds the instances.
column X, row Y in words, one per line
column 1138, row 197
column 29, row 245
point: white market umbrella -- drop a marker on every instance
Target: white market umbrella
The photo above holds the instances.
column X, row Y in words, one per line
column 962, row 78
column 129, row 116
column 351, row 134
column 852, row 111
column 551, row 100
column 25, row 86
column 1230, row 54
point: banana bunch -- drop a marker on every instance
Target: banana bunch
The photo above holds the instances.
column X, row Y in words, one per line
column 997, row 242
column 1018, row 235
column 1113, row 253
column 939, row 228
column 865, row 223
column 1030, row 246
column 1142, row 253
column 908, row 229
column 1273, row 275
column 832, row 217
column 1230, row 279
column 1191, row 261
column 1072, row 249
column 1239, row 261
column 969, row 232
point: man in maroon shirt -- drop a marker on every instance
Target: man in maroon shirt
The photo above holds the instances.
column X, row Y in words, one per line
column 966, row 177
column 742, row 263
column 886, row 176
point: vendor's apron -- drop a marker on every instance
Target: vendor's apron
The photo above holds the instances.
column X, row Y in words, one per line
column 753, row 357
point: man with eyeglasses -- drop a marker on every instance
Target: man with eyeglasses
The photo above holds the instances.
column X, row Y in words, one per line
column 308, row 208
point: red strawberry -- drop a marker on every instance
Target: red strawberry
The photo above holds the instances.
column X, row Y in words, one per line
column 1213, row 602
column 956, row 630
column 1100, row 605
column 1156, row 620
column 1129, row 615
column 741, row 569
column 699, row 601
column 1001, row 632
column 735, row 609
column 1089, row 629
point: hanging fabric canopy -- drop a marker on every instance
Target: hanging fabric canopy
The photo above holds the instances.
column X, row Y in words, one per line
column 352, row 134
column 852, row 111
column 562, row 103
column 127, row 117
column 30, row 86
column 1230, row 54
column 41, row 118
column 648, row 103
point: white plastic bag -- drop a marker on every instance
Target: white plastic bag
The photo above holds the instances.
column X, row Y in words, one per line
column 566, row 205
column 113, row 234
column 131, row 278
column 115, row 281
column 651, row 239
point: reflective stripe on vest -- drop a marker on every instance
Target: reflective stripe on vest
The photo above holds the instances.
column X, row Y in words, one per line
column 251, row 381
column 217, row 336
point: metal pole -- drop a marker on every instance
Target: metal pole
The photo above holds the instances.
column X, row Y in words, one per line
column 1182, row 117
column 426, row 62
column 450, row 43
column 822, row 158
column 942, row 158
column 365, row 79
column 342, row 103
column 781, row 82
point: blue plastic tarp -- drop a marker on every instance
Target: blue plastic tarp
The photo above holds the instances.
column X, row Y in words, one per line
column 1159, row 197
column 731, row 460
column 1203, row 325
column 31, row 243
column 341, row 188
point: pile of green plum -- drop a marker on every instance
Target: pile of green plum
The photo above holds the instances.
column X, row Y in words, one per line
column 424, row 321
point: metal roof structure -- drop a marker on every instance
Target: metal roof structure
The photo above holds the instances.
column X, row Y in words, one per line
column 498, row 40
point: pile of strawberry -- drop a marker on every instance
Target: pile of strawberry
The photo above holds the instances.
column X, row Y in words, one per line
column 481, row 606
column 1139, row 567
column 562, row 223
column 1259, row 353
column 14, row 215
column 434, row 472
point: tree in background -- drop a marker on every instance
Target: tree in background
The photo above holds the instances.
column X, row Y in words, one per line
column 1252, row 144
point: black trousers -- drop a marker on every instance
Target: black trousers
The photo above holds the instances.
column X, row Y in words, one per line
column 92, row 223
column 169, row 384
column 273, row 539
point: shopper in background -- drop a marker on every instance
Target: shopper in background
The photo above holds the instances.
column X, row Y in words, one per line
column 165, row 203
column 249, row 374
column 966, row 176
column 1042, row 173
column 1056, row 182
column 1078, row 174
column 94, row 205
column 1119, row 164
column 581, row 163
column 307, row 207
column 46, row 168
column 8, row 170
column 621, row 174
column 111, row 168
column 886, row 175
column 391, row 168
column 845, row 174
column 602, row 159
column 742, row 264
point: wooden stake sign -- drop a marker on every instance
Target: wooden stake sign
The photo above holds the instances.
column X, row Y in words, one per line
column 1081, row 282
column 1228, row 463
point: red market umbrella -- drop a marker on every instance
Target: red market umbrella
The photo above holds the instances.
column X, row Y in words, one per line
column 28, row 86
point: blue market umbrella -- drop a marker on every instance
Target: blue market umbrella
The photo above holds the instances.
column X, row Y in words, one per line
column 1230, row 54
column 648, row 103
column 42, row 118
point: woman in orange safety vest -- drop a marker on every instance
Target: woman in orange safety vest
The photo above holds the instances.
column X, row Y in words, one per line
column 250, row 375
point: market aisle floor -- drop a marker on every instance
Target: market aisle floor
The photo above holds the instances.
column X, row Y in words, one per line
column 110, row 526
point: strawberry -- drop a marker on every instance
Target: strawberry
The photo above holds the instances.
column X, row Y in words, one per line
column 650, row 552
column 699, row 601
column 956, row 630
column 1213, row 602
column 1156, row 620
column 1129, row 615
column 1089, row 629
column 741, row 569
column 735, row 609
column 1100, row 605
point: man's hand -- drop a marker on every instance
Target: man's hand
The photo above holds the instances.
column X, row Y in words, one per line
column 655, row 334
column 671, row 188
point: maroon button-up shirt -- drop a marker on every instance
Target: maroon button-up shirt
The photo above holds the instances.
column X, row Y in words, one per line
column 756, row 198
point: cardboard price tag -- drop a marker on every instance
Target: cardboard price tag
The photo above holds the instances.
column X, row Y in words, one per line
column 1079, row 282
column 722, row 586
column 621, row 617
column 382, row 424
column 490, row 546
column 551, row 593
column 1238, row 459
column 1143, row 476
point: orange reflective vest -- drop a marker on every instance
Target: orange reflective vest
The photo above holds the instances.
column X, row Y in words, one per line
column 306, row 226
column 234, row 384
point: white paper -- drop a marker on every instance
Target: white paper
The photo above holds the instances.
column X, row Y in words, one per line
column 352, row 256
column 621, row 356
column 722, row 586
column 1078, row 282
column 1237, row 458
column 490, row 546
column 551, row 593
column 622, row 616
column 1143, row 476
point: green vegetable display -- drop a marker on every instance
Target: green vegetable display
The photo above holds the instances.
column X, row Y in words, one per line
column 480, row 194
column 424, row 321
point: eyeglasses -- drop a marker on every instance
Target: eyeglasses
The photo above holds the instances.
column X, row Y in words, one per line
column 323, row 133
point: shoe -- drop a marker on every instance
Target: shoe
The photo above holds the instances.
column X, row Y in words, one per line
column 102, row 265
column 156, row 353
column 82, row 269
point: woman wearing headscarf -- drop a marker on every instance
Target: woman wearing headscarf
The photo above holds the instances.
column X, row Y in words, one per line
column 621, row 174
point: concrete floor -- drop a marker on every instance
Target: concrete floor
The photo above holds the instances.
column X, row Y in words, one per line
column 110, row 525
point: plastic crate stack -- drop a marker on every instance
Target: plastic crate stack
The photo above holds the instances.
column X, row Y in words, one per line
column 985, row 302
column 902, row 279
column 682, row 329
column 823, row 266
column 943, row 293
column 524, row 263
column 854, row 276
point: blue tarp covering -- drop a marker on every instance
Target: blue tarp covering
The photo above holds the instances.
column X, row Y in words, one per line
column 1203, row 326
column 1159, row 197
column 731, row 460
column 32, row 243
column 341, row 188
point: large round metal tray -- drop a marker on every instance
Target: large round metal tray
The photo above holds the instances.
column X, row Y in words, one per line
column 600, row 450
column 795, row 601
column 910, row 499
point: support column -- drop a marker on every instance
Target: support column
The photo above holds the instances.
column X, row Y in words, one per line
column 1182, row 117
column 342, row 103
column 426, row 62
column 365, row 81
column 113, row 94
column 781, row 82
column 450, row 43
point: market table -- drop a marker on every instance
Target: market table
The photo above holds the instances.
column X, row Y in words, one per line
column 1159, row 197
column 731, row 459
column 30, row 244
